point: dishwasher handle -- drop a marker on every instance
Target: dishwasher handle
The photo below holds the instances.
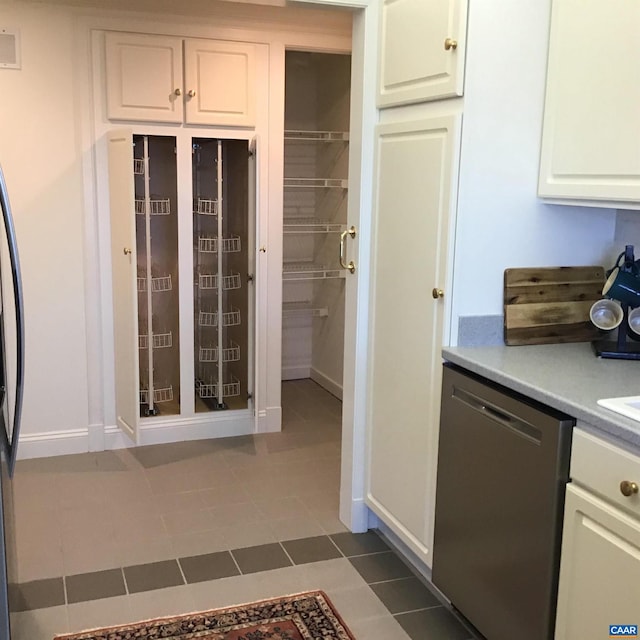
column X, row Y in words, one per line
column 509, row 421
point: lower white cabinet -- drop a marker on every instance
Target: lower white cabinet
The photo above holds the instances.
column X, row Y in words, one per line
column 600, row 562
column 415, row 178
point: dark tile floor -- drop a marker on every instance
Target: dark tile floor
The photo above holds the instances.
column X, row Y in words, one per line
column 169, row 529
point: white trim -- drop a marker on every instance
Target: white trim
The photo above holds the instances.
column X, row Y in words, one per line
column 360, row 516
column 272, row 420
column 333, row 387
column 296, row 372
column 53, row 443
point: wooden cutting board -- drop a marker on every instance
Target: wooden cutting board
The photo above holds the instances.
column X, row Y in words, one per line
column 544, row 305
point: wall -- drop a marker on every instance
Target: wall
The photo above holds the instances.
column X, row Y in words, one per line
column 501, row 223
column 47, row 149
column 40, row 154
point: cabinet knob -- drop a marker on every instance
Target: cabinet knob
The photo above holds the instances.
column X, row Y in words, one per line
column 192, row 93
column 450, row 43
column 178, row 91
column 437, row 293
column 628, row 488
column 127, row 252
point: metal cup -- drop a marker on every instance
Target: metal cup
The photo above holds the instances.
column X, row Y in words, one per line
column 606, row 314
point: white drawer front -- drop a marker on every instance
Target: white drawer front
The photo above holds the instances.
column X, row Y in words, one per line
column 602, row 467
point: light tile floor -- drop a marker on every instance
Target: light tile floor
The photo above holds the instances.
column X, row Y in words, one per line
column 103, row 511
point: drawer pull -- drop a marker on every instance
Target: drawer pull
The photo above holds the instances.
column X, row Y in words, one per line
column 628, row 488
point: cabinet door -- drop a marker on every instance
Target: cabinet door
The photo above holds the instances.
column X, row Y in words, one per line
column 144, row 77
column 415, row 177
column 591, row 137
column 600, row 568
column 220, row 83
column 123, row 264
column 421, row 50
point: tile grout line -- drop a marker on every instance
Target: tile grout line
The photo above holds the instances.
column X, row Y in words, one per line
column 293, row 564
column 230, row 552
column 184, row 578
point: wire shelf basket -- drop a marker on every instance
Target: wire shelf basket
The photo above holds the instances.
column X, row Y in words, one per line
column 209, row 244
column 205, row 207
column 164, row 394
column 162, row 283
column 210, row 318
column 138, row 166
column 229, row 354
column 157, row 207
column 159, row 341
column 228, row 282
column 208, row 388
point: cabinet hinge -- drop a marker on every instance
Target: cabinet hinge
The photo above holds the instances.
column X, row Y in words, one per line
column 250, row 277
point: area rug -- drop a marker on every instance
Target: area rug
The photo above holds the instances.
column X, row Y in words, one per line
column 304, row 616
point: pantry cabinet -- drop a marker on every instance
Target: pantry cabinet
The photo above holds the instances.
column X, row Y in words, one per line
column 163, row 79
column 422, row 50
column 164, row 369
column 600, row 563
column 415, row 178
column 590, row 142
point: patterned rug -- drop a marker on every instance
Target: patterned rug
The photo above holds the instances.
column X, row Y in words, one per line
column 305, row 616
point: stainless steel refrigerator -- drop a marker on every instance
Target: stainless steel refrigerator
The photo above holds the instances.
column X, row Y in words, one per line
column 11, row 388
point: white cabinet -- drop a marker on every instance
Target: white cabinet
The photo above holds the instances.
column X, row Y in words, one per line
column 600, row 562
column 591, row 137
column 422, row 50
column 175, row 266
column 163, row 79
column 415, row 178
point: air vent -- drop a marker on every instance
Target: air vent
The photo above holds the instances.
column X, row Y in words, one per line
column 9, row 49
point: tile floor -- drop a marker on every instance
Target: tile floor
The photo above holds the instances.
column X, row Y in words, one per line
column 119, row 536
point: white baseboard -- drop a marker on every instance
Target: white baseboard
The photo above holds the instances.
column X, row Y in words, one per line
column 162, row 431
column 296, row 372
column 53, row 443
column 272, row 421
column 327, row 383
column 355, row 515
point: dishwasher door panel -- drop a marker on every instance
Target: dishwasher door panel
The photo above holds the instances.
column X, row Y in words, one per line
column 503, row 463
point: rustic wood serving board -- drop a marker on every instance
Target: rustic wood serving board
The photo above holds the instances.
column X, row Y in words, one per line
column 544, row 305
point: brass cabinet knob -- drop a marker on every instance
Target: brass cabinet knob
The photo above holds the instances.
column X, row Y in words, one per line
column 437, row 293
column 192, row 93
column 450, row 43
column 127, row 252
column 178, row 91
column 628, row 488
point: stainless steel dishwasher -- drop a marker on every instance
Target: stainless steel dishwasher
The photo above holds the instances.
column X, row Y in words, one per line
column 503, row 463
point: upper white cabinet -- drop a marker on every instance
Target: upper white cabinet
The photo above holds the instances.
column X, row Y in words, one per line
column 591, row 137
column 163, row 79
column 422, row 51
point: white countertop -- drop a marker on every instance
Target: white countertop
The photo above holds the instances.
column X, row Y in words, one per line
column 567, row 377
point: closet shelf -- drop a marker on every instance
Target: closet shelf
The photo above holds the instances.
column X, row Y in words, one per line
column 229, row 282
column 208, row 387
column 311, row 225
column 162, row 283
column 309, row 271
column 164, row 394
column 210, row 318
column 157, row 207
column 209, row 244
column 206, row 207
column 323, row 136
column 303, row 310
column 160, row 340
column 229, row 354
column 315, row 183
